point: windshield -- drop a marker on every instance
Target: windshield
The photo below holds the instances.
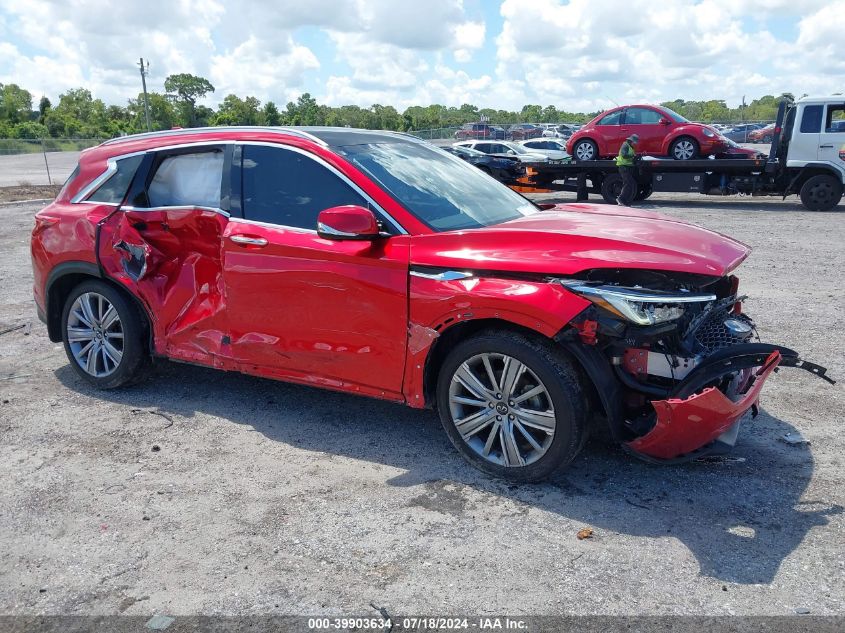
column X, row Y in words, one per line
column 441, row 190
column 675, row 116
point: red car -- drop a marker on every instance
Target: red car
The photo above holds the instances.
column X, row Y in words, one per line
column 376, row 264
column 661, row 131
column 763, row 135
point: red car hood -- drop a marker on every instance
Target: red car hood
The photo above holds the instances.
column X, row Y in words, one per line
column 576, row 237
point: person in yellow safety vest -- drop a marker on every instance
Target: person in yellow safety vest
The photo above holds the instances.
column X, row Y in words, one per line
column 625, row 163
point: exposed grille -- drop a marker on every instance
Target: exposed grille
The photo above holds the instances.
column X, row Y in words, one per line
column 712, row 334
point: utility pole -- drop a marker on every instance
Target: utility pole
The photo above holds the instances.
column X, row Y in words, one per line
column 145, row 67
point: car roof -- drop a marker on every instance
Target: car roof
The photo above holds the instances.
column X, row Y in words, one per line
column 822, row 99
column 325, row 136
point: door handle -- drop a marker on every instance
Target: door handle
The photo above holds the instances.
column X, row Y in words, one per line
column 825, row 146
column 252, row 241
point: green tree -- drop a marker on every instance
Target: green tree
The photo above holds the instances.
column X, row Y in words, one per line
column 270, row 114
column 44, row 106
column 304, row 111
column 30, row 130
column 236, row 111
column 185, row 89
column 15, row 104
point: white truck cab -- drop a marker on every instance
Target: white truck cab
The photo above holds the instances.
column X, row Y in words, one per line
column 818, row 133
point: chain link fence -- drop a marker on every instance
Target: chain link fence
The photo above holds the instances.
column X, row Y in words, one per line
column 46, row 161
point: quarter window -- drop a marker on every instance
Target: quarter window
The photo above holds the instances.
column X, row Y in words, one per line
column 113, row 190
column 811, row 120
column 188, row 180
column 284, row 187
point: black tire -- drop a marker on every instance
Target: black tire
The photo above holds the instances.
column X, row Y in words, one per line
column 611, row 187
column 563, row 388
column 588, row 150
column 643, row 192
column 821, row 193
column 679, row 145
column 135, row 357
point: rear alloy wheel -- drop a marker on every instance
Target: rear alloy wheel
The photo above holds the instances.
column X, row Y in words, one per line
column 684, row 148
column 513, row 407
column 103, row 335
column 585, row 150
column 821, row 193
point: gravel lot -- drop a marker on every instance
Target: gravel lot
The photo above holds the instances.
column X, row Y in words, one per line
column 201, row 491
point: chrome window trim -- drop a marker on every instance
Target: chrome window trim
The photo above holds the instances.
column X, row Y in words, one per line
column 174, row 207
column 319, row 160
column 270, row 225
column 446, row 275
column 112, row 167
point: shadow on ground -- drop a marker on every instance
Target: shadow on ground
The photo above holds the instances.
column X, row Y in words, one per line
column 740, row 519
column 697, row 202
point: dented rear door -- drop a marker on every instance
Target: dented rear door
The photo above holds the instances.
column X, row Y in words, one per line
column 164, row 244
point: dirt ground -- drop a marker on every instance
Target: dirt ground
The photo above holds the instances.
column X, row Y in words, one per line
column 205, row 492
column 28, row 192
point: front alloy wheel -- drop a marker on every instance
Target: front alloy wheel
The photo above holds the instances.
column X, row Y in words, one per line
column 502, row 410
column 684, row 149
column 512, row 405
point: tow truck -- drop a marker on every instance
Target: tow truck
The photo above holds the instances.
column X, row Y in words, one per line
column 807, row 157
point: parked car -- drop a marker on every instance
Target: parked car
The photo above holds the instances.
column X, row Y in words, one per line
column 480, row 130
column 662, row 132
column 375, row 264
column 503, row 169
column 762, row 135
column 506, row 149
column 524, row 131
column 554, row 149
column 739, row 133
column 558, row 131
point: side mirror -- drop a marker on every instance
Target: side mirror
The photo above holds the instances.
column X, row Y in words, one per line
column 347, row 222
column 665, row 121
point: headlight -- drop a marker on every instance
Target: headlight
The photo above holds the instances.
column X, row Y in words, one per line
column 638, row 305
column 708, row 133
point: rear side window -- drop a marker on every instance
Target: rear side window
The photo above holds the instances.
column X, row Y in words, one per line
column 611, row 119
column 69, row 180
column 835, row 121
column 188, row 180
column 284, row 187
column 113, row 190
column 811, row 120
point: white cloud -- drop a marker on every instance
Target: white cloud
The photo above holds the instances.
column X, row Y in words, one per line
column 580, row 56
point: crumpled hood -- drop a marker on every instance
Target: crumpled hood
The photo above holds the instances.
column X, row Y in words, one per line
column 576, row 237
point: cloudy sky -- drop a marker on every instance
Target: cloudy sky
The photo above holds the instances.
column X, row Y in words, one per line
column 581, row 55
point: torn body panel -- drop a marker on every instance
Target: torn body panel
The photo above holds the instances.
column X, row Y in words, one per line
column 684, row 425
column 170, row 259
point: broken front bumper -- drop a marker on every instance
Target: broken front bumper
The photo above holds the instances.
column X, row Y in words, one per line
column 699, row 419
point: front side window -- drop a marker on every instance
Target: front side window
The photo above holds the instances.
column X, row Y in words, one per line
column 441, row 190
column 188, row 180
column 113, row 190
column 613, row 118
column 287, row 188
column 811, row 120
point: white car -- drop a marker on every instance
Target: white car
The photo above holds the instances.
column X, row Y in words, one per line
column 552, row 148
column 558, row 131
column 505, row 148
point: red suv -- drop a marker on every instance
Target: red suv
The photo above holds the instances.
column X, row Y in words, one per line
column 661, row 131
column 376, row 264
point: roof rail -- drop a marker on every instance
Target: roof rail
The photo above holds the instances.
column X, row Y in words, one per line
column 218, row 128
